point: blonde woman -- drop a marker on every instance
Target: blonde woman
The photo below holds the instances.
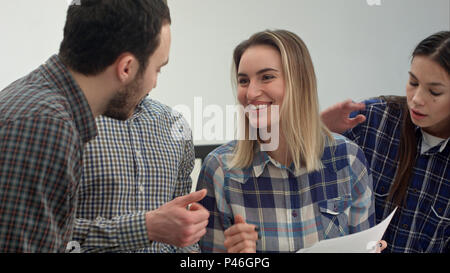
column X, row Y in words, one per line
column 313, row 186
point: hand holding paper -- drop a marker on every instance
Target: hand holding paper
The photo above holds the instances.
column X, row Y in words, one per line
column 362, row 242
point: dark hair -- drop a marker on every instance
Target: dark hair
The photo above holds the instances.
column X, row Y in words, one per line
column 97, row 32
column 437, row 48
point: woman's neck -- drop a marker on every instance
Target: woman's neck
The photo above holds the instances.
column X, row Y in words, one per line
column 444, row 134
column 281, row 154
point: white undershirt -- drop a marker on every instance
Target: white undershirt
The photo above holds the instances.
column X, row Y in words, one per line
column 429, row 141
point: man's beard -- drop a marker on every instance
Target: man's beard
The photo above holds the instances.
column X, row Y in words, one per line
column 124, row 102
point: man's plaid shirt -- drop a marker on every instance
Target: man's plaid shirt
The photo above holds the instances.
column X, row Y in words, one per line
column 132, row 167
column 45, row 120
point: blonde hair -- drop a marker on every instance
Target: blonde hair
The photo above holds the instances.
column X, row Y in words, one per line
column 304, row 132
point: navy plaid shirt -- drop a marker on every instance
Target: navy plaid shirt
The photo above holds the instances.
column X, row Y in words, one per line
column 423, row 225
column 293, row 209
column 45, row 120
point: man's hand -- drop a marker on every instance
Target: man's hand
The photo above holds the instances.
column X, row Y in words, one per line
column 241, row 237
column 176, row 225
column 337, row 119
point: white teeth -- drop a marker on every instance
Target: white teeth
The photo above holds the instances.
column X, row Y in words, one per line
column 261, row 106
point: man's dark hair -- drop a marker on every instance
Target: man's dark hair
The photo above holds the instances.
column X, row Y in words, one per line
column 97, row 32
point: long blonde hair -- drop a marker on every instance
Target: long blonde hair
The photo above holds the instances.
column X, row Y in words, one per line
column 304, row 132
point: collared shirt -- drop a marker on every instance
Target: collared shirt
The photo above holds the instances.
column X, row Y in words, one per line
column 45, row 120
column 429, row 142
column 293, row 209
column 423, row 225
column 132, row 167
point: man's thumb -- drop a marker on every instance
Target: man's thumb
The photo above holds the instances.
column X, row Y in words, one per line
column 190, row 198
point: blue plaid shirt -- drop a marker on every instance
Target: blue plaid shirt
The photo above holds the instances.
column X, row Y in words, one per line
column 132, row 167
column 423, row 225
column 293, row 209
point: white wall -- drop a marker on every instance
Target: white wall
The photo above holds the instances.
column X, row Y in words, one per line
column 31, row 32
column 358, row 50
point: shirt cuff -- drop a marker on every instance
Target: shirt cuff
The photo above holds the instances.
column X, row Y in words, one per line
column 132, row 232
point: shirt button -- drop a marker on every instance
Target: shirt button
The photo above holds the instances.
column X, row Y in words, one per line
column 440, row 210
column 415, row 190
column 141, row 189
column 294, row 214
column 405, row 226
column 138, row 153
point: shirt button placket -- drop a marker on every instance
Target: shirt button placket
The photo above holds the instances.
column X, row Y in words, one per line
column 140, row 199
column 295, row 215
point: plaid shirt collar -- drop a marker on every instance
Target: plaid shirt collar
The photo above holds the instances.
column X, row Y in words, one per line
column 57, row 73
column 261, row 160
column 440, row 148
column 139, row 111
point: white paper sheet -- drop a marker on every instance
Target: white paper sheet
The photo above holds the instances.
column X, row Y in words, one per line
column 361, row 242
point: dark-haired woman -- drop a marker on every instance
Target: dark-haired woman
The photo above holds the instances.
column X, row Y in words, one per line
column 406, row 143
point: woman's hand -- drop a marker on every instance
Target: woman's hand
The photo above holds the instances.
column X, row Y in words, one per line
column 381, row 245
column 337, row 119
column 241, row 237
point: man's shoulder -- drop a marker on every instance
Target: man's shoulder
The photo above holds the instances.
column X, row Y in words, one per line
column 30, row 97
column 164, row 116
column 156, row 108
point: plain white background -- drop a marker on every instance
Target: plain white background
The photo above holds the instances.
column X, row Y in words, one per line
column 358, row 50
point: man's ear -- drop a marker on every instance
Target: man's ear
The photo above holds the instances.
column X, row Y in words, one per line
column 126, row 68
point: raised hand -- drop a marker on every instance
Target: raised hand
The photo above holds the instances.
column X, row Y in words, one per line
column 241, row 237
column 337, row 117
